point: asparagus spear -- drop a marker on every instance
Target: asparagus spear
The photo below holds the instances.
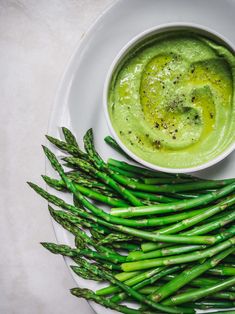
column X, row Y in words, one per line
column 71, row 149
column 92, row 183
column 210, row 304
column 153, row 197
column 134, row 278
column 166, row 188
column 222, row 271
column 85, row 166
column 85, row 274
column 79, row 233
column 178, row 259
column 132, row 231
column 125, row 276
column 200, row 293
column 137, row 296
column 221, row 222
column 90, row 147
column 173, row 207
column 200, row 281
column 126, row 246
column 114, row 237
column 173, row 250
column 122, row 296
column 138, row 170
column 223, row 312
column 64, row 223
column 112, row 143
column 126, row 173
column 89, row 193
column 101, row 223
column 171, row 180
column 100, row 213
column 188, row 275
column 90, row 295
column 209, row 211
column 110, row 197
column 81, row 180
column 225, row 295
column 99, row 163
column 137, row 278
column 76, row 220
column 65, row 250
column 69, row 137
column 203, row 229
column 184, row 224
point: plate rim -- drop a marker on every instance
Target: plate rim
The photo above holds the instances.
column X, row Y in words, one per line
column 54, row 114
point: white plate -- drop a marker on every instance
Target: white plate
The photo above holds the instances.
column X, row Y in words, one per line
column 78, row 103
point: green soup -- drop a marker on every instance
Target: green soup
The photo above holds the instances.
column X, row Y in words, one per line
column 171, row 100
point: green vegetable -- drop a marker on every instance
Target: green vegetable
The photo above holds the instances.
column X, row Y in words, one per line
column 173, row 207
column 178, row 259
column 137, row 296
column 69, row 137
column 203, row 229
column 112, row 143
column 87, row 192
column 158, row 274
column 200, row 293
column 188, row 275
column 122, row 296
column 90, row 295
column 67, row 147
column 85, row 166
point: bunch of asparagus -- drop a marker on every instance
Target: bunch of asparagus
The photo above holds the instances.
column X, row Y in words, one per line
column 167, row 243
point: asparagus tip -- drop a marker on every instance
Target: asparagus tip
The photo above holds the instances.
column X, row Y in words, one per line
column 31, row 184
column 48, row 137
column 80, row 293
column 73, row 267
column 51, row 209
column 50, row 247
column 73, row 291
column 44, row 147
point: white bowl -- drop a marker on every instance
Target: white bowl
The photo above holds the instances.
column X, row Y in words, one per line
column 124, row 51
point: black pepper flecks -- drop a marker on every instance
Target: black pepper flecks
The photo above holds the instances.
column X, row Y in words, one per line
column 164, row 125
column 158, row 144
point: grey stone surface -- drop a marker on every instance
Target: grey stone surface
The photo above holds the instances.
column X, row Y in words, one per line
column 36, row 40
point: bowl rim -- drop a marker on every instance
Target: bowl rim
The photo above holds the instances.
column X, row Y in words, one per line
column 121, row 54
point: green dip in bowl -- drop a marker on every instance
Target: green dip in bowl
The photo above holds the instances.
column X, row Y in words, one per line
column 170, row 99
